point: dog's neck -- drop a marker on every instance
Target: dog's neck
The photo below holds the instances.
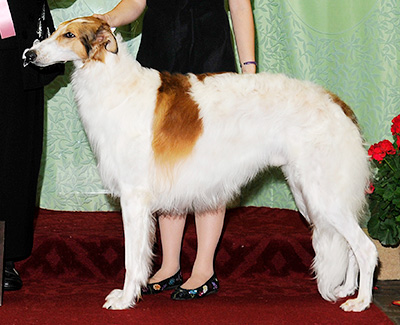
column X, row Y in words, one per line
column 120, row 70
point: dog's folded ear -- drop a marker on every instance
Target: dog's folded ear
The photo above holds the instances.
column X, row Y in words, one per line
column 104, row 36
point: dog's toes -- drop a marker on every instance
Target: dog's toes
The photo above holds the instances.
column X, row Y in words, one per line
column 117, row 301
column 355, row 305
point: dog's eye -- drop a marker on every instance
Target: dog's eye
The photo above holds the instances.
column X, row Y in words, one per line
column 69, row 35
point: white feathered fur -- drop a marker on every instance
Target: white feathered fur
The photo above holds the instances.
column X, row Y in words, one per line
column 249, row 122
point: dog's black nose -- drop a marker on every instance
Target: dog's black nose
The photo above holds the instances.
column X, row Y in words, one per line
column 30, row 56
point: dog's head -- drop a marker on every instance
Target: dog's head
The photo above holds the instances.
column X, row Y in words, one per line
column 80, row 39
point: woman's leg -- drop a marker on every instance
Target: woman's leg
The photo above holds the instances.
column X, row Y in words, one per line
column 208, row 228
column 171, row 232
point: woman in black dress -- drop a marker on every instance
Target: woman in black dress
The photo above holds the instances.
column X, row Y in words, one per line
column 189, row 36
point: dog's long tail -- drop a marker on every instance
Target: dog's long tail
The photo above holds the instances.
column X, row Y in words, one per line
column 333, row 264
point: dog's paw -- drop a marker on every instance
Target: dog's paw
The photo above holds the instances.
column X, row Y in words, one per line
column 355, row 305
column 116, row 300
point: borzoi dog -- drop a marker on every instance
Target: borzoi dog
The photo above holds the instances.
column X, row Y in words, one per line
column 178, row 143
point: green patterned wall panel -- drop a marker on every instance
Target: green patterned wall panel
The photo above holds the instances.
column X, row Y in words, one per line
column 351, row 47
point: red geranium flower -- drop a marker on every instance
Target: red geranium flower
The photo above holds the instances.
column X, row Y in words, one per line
column 376, row 152
column 379, row 150
column 387, row 147
column 396, row 125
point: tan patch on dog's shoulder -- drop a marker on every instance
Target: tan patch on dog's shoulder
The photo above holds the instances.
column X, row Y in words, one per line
column 177, row 124
column 345, row 108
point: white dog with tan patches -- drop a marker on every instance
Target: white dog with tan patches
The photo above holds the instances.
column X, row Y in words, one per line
column 179, row 143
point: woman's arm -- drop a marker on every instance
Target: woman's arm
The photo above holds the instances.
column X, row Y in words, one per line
column 124, row 13
column 243, row 27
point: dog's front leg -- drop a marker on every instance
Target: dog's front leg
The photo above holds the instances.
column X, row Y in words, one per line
column 139, row 235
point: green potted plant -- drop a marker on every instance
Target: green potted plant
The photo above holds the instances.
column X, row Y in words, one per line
column 384, row 192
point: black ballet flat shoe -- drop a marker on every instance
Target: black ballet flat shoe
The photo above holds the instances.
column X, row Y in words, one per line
column 168, row 284
column 11, row 281
column 211, row 286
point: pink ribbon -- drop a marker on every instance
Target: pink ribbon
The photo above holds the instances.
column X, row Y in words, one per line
column 6, row 22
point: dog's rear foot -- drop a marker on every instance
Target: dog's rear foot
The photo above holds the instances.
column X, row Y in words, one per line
column 356, row 305
column 116, row 300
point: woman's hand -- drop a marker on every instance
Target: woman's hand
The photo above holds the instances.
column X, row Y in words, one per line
column 104, row 17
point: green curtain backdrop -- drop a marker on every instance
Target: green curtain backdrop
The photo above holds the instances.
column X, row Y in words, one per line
column 350, row 47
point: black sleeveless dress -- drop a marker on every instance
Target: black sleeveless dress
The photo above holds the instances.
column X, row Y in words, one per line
column 186, row 36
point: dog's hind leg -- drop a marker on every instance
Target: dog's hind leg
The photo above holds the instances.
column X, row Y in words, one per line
column 351, row 282
column 366, row 255
column 341, row 247
column 331, row 251
column 332, row 254
column 297, row 193
column 139, row 236
column 335, row 266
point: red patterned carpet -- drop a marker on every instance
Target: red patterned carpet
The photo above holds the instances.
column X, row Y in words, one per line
column 262, row 263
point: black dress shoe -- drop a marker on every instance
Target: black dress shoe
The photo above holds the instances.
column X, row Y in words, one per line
column 167, row 284
column 211, row 286
column 11, row 281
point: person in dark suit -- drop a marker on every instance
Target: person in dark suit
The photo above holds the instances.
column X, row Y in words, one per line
column 21, row 128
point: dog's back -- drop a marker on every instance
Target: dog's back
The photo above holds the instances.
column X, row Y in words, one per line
column 250, row 122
